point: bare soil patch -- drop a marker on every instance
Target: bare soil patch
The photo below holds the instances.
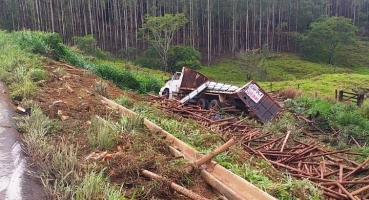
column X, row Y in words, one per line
column 71, row 96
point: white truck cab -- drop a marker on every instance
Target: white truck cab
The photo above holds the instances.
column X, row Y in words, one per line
column 172, row 86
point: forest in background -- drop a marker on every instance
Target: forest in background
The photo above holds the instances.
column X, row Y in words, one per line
column 215, row 27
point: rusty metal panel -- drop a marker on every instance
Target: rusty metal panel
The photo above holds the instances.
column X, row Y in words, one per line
column 192, row 79
column 259, row 102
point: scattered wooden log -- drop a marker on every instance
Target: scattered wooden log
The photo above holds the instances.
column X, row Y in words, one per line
column 302, row 159
column 96, row 156
column 360, row 190
column 174, row 186
column 345, row 191
column 209, row 156
column 356, row 169
column 285, row 140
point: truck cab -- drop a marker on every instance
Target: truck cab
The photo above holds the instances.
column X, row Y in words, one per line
column 171, row 86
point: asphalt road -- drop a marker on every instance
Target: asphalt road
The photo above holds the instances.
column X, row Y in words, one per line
column 15, row 180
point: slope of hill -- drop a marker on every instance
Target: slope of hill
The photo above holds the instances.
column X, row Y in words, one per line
column 288, row 70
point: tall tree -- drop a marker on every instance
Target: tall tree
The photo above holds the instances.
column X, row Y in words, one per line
column 324, row 37
column 159, row 32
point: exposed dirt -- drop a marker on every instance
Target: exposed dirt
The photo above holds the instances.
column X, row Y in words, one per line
column 71, row 95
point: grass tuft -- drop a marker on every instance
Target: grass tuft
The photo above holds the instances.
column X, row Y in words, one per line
column 101, row 135
column 125, row 101
column 36, row 127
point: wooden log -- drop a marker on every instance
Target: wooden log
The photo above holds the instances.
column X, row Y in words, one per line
column 331, row 173
column 330, row 194
column 366, row 196
column 326, row 163
column 305, row 151
column 272, row 151
column 217, row 184
column 267, row 144
column 307, row 176
column 275, row 154
column 209, row 156
column 285, row 140
column 338, row 195
column 340, row 176
column 250, row 149
column 360, row 190
column 323, row 154
column 262, row 136
column 223, row 120
column 356, row 169
column 322, row 169
column 353, row 139
column 288, row 167
column 347, row 182
column 249, row 191
column 345, row 191
column 174, row 186
column 340, row 157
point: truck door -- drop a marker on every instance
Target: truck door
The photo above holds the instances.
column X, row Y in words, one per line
column 175, row 83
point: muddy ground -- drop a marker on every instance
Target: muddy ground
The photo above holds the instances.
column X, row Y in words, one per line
column 71, row 96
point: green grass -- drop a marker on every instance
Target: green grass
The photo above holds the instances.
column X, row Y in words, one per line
column 226, row 71
column 323, row 85
column 18, row 68
column 347, row 119
column 288, row 70
column 125, row 65
column 95, row 186
column 101, row 135
column 355, row 57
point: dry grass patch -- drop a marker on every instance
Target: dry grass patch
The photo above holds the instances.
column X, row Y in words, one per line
column 289, row 93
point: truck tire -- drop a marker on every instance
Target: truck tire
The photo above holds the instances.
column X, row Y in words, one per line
column 214, row 104
column 203, row 103
column 165, row 93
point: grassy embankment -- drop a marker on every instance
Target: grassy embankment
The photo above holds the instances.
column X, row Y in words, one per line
column 18, row 69
column 20, row 73
column 289, row 70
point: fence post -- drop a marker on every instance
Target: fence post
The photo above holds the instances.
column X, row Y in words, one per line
column 340, row 95
column 360, row 99
column 271, row 86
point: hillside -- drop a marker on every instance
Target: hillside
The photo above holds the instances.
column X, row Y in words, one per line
column 92, row 150
column 277, row 71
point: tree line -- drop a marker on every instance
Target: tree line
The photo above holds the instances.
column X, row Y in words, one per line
column 215, row 27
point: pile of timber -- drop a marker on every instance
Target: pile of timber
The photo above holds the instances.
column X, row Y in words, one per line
column 211, row 118
column 333, row 171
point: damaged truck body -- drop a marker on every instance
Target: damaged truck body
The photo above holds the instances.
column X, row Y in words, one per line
column 190, row 86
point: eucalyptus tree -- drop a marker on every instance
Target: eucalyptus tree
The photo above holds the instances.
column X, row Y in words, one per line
column 159, row 32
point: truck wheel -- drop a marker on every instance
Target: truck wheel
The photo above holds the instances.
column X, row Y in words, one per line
column 165, row 93
column 214, row 104
column 203, row 103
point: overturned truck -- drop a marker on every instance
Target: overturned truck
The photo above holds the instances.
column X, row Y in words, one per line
column 190, row 86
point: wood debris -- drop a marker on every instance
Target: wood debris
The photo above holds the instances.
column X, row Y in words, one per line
column 333, row 171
